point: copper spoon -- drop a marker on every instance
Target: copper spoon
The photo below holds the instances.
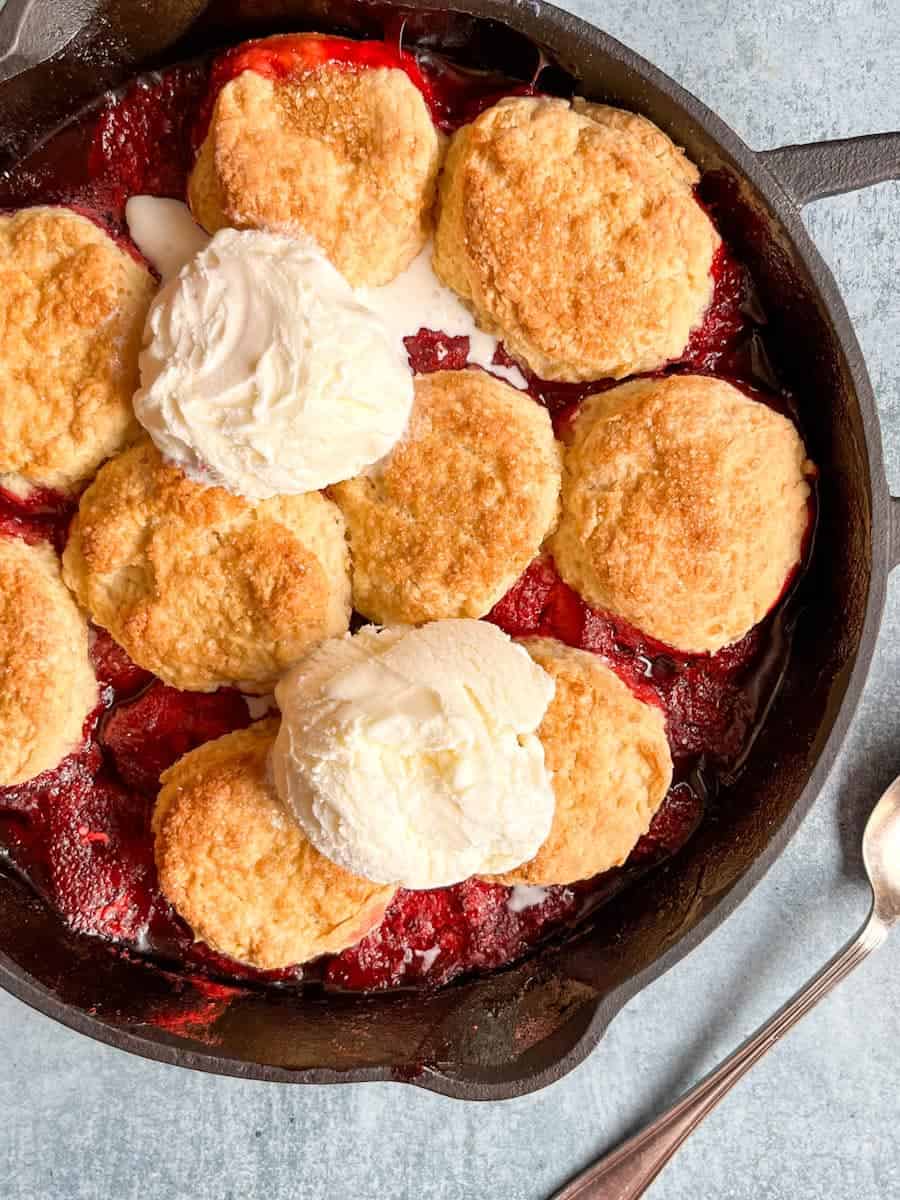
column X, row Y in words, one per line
column 629, row 1170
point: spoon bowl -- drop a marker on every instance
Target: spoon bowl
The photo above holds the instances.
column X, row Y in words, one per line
column 881, row 855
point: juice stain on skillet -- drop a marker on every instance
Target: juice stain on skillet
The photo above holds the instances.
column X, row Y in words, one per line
column 80, row 833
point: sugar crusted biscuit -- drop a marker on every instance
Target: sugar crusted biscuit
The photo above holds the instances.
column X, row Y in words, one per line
column 446, row 524
column 47, row 684
column 239, row 870
column 72, row 308
column 684, row 508
column 573, row 233
column 611, row 767
column 348, row 156
column 202, row 587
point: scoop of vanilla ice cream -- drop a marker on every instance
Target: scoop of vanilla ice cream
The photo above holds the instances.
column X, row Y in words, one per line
column 262, row 373
column 410, row 756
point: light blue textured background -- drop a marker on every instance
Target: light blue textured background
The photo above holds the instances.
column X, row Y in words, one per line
column 817, row 1118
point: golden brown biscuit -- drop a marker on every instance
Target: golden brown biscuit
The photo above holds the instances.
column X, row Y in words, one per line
column 72, row 309
column 574, row 234
column 202, row 587
column 447, row 523
column 348, row 156
column 47, row 685
column 611, row 767
column 240, row 871
column 684, row 508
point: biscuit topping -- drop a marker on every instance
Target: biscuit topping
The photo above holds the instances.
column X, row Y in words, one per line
column 685, row 507
column 240, row 872
column 200, row 587
column 47, row 686
column 348, row 156
column 409, row 755
column 262, row 372
column 458, row 509
column 574, row 234
column 72, row 306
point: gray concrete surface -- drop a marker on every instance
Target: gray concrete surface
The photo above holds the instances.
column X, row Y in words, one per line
column 817, row 1118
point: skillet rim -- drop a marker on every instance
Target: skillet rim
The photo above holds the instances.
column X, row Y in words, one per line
column 541, row 21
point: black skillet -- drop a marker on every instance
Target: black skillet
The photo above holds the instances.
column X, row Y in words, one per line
column 515, row 1031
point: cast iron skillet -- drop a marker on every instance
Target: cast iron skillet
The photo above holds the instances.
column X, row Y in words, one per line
column 519, row 1029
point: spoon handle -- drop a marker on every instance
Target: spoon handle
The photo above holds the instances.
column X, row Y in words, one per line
column 629, row 1170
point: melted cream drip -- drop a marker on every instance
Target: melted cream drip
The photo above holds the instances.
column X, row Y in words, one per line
column 260, row 706
column 524, row 895
column 165, row 232
column 417, row 299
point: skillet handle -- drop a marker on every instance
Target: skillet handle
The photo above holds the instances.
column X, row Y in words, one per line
column 819, row 169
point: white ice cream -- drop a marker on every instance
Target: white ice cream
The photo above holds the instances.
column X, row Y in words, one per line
column 263, row 373
column 410, row 756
